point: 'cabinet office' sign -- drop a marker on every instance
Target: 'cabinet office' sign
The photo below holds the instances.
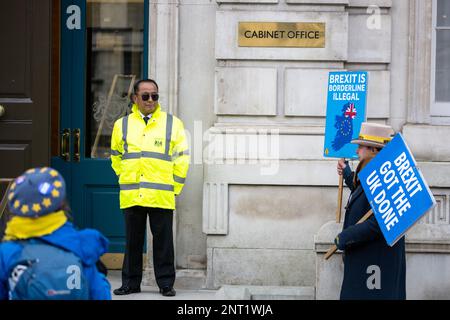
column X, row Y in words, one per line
column 282, row 34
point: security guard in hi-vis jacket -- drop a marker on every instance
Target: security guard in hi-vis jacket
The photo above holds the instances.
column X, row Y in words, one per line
column 149, row 154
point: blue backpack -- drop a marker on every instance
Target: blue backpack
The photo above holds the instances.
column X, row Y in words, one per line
column 46, row 272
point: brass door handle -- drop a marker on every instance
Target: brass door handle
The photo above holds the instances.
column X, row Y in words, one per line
column 76, row 145
column 65, row 145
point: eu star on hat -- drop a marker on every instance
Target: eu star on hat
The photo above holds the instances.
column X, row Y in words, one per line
column 37, row 192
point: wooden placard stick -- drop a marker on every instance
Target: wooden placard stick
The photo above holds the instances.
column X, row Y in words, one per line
column 333, row 249
column 340, row 193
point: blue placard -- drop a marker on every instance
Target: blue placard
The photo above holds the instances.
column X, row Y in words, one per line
column 396, row 189
column 346, row 111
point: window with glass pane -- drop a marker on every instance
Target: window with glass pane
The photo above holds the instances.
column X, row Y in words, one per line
column 442, row 72
column 115, row 46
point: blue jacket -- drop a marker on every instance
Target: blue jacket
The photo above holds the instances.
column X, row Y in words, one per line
column 87, row 244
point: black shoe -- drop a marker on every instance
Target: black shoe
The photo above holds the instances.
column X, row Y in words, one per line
column 168, row 292
column 126, row 290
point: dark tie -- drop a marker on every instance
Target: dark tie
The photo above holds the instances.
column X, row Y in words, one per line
column 146, row 119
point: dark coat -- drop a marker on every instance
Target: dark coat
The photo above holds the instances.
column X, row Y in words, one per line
column 364, row 246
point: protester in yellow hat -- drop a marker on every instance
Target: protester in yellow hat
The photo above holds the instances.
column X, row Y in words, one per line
column 372, row 269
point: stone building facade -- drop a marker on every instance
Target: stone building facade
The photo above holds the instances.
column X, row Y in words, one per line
column 260, row 200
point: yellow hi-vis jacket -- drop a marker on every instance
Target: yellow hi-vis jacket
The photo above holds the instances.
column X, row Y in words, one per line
column 150, row 160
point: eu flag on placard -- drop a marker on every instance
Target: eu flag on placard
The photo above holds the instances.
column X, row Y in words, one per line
column 344, row 126
column 346, row 111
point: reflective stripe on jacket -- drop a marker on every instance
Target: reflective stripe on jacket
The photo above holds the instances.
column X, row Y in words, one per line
column 151, row 160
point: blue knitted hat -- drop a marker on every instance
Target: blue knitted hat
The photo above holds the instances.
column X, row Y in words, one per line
column 37, row 192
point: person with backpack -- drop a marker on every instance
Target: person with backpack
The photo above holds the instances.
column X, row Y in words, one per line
column 43, row 256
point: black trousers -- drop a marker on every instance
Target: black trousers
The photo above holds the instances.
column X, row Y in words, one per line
column 163, row 252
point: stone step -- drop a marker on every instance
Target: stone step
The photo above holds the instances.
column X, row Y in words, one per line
column 189, row 279
column 243, row 292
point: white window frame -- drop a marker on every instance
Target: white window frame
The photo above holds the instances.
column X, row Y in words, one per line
column 438, row 109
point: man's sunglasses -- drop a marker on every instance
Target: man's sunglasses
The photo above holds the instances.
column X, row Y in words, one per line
column 147, row 96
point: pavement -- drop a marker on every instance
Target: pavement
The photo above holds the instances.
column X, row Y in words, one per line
column 152, row 293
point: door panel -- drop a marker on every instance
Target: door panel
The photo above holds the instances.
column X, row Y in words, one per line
column 101, row 205
column 24, row 88
column 24, row 85
column 100, row 60
column 15, row 61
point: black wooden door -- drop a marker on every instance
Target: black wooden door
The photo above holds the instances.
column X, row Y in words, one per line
column 25, row 31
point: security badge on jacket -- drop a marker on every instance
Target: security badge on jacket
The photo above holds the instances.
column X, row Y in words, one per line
column 150, row 142
column 155, row 142
column 158, row 142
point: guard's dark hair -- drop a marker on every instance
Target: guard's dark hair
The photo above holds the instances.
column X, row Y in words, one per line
column 137, row 83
